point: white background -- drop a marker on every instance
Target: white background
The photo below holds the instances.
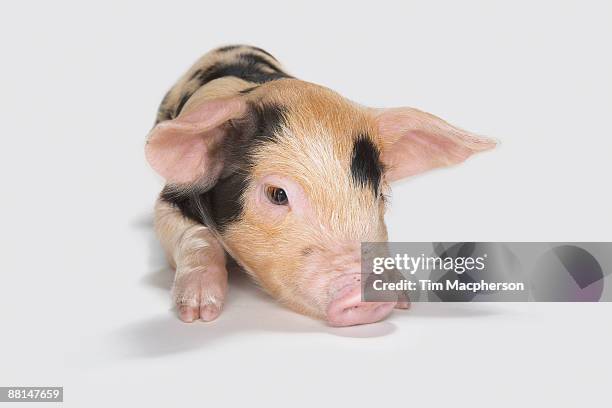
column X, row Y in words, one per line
column 84, row 298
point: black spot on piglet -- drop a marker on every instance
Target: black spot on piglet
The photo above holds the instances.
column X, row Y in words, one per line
column 366, row 167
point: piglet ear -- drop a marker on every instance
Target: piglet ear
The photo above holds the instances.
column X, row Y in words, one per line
column 187, row 149
column 415, row 141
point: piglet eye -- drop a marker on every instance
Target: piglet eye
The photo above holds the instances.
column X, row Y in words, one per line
column 277, row 195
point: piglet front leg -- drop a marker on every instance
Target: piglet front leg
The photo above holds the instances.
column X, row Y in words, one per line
column 199, row 292
column 200, row 282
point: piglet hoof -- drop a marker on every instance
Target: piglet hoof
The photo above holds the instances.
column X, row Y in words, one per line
column 199, row 294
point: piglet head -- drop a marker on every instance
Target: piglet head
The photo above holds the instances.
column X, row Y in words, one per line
column 292, row 177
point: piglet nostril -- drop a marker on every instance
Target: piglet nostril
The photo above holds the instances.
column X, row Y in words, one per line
column 347, row 309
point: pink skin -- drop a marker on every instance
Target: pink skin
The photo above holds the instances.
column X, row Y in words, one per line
column 199, row 294
column 346, row 307
column 330, row 279
column 179, row 149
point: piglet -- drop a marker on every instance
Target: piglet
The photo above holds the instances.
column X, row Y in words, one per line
column 285, row 177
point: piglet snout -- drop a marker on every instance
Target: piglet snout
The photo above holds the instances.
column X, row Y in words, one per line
column 347, row 309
